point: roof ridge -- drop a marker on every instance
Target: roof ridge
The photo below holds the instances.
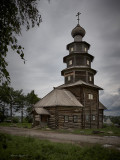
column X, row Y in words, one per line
column 69, row 95
column 42, row 98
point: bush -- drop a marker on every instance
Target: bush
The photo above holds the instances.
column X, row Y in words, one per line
column 15, row 119
column 105, row 125
column 29, row 119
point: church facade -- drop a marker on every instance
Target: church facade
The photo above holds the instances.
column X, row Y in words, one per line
column 75, row 104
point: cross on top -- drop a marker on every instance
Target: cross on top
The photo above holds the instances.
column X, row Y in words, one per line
column 78, row 16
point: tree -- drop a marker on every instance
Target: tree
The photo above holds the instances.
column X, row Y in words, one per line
column 14, row 14
column 115, row 119
column 20, row 102
column 10, row 97
column 4, row 101
column 31, row 98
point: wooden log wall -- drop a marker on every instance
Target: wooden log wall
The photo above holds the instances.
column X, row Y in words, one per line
column 52, row 119
column 100, row 118
column 57, row 118
column 91, row 106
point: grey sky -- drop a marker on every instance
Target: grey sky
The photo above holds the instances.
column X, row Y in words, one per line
column 45, row 47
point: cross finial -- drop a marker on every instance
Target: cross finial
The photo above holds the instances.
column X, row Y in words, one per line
column 78, row 16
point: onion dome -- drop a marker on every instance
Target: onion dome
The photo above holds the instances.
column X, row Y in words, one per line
column 78, row 30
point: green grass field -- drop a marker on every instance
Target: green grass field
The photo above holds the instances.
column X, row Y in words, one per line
column 106, row 131
column 24, row 125
column 27, row 148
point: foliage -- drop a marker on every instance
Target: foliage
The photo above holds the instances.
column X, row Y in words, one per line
column 14, row 98
column 15, row 119
column 24, row 148
column 115, row 119
column 4, row 93
column 17, row 101
column 31, row 98
column 4, row 100
column 3, row 112
column 14, row 14
column 20, row 102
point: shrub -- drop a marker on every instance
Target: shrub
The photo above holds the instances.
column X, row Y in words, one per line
column 15, row 119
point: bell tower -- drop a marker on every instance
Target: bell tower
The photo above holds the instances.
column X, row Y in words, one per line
column 79, row 60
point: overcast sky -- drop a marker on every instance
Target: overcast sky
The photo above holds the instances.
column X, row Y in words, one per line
column 45, row 48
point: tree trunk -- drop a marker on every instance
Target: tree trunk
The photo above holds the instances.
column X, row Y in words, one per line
column 22, row 114
column 3, row 109
column 11, row 107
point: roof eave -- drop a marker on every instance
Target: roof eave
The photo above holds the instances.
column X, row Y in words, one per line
column 74, row 53
column 67, row 47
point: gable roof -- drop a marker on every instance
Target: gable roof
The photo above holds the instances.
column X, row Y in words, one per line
column 58, row 97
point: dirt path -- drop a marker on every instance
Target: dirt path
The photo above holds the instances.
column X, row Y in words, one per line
column 63, row 137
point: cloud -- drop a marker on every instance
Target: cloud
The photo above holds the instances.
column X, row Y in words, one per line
column 45, row 47
column 112, row 102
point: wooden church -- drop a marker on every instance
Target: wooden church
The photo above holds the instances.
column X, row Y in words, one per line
column 75, row 104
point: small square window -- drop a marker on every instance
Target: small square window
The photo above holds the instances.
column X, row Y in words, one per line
column 69, row 78
column 75, row 119
column 90, row 96
column 88, row 62
column 66, row 118
column 93, row 118
column 70, row 62
column 90, row 78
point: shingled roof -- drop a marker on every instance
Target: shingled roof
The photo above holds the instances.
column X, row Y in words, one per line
column 41, row 111
column 58, row 97
column 80, row 82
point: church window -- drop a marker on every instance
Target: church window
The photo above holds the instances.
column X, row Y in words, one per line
column 90, row 78
column 93, row 118
column 85, row 49
column 87, row 118
column 88, row 62
column 71, row 49
column 70, row 62
column 90, row 96
column 75, row 119
column 66, row 118
column 69, row 78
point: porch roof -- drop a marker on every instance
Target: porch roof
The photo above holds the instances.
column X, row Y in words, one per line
column 41, row 111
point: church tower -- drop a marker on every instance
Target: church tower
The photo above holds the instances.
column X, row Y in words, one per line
column 79, row 60
column 79, row 79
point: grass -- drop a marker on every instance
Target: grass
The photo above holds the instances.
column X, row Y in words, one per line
column 20, row 125
column 27, row 148
column 106, row 131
